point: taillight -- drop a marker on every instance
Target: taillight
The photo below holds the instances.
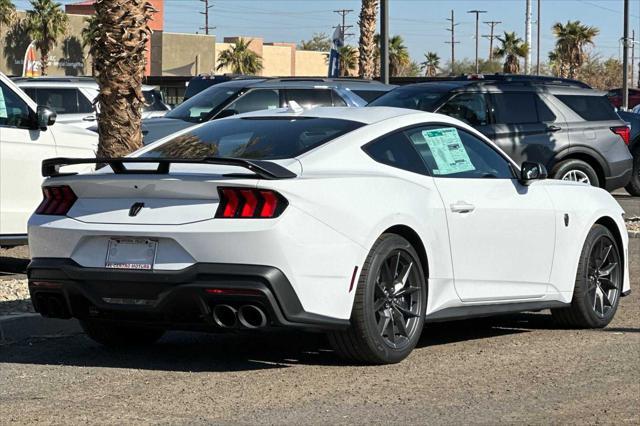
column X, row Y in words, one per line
column 623, row 131
column 57, row 200
column 247, row 203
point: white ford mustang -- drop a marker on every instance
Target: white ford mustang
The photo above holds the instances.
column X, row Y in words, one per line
column 365, row 223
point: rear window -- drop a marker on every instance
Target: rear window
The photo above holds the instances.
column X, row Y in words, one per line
column 369, row 95
column 258, row 138
column 410, row 97
column 590, row 108
column 153, row 101
column 204, row 105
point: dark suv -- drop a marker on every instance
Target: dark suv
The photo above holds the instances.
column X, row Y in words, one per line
column 570, row 128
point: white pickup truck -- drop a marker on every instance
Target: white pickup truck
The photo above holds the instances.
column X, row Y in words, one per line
column 28, row 135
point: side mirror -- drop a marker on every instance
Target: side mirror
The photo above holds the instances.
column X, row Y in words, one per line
column 531, row 171
column 227, row 113
column 45, row 117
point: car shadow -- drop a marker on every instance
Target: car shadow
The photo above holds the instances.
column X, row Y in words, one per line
column 13, row 265
column 199, row 352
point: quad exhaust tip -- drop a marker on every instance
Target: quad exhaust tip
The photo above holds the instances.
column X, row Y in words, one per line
column 246, row 316
column 225, row 316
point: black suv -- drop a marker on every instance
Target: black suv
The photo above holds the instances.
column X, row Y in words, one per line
column 563, row 124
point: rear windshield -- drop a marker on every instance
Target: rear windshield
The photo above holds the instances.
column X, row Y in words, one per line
column 258, row 138
column 202, row 106
column 590, row 108
column 421, row 98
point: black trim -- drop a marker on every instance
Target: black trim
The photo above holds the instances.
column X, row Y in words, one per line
column 164, row 286
column 620, row 181
column 475, row 311
column 264, row 169
column 625, row 293
column 13, row 240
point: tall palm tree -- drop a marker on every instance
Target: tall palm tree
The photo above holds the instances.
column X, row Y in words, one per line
column 367, row 43
column 571, row 40
column 398, row 55
column 7, row 12
column 240, row 58
column 512, row 49
column 348, row 60
column 46, row 21
column 119, row 56
column 430, row 64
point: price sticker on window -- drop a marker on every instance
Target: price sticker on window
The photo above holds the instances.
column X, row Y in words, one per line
column 448, row 151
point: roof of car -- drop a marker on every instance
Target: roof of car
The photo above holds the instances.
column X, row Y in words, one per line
column 61, row 82
column 363, row 115
column 306, row 82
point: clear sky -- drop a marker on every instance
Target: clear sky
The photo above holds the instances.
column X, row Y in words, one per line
column 422, row 23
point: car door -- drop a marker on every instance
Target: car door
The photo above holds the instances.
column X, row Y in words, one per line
column 502, row 234
column 22, row 149
column 526, row 128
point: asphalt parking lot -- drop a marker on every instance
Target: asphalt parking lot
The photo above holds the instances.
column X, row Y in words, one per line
column 512, row 369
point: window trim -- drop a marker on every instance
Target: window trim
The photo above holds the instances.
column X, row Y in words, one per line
column 512, row 165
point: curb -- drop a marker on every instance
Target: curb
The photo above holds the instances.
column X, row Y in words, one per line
column 14, row 328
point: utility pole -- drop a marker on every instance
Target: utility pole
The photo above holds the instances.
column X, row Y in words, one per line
column 625, row 58
column 384, row 41
column 527, row 36
column 206, row 27
column 453, row 41
column 538, row 18
column 477, row 12
column 633, row 57
column 492, row 24
column 343, row 28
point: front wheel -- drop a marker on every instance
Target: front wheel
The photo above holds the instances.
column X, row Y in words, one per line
column 598, row 283
column 389, row 307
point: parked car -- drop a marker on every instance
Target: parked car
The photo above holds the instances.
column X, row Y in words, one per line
column 633, row 118
column 252, row 94
column 360, row 222
column 28, row 134
column 72, row 98
column 202, row 82
column 570, row 128
column 615, row 97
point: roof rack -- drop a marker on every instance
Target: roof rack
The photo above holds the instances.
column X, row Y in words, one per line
column 72, row 79
column 512, row 78
column 323, row 79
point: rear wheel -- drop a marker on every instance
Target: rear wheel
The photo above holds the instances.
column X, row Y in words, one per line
column 633, row 187
column 598, row 283
column 389, row 306
column 576, row 171
column 120, row 335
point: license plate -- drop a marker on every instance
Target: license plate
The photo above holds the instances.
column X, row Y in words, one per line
column 131, row 254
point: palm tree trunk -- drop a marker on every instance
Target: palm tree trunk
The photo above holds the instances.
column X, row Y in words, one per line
column 367, row 46
column 44, row 59
column 119, row 59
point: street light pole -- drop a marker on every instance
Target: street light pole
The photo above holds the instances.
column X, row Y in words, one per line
column 625, row 58
column 384, row 41
column 477, row 12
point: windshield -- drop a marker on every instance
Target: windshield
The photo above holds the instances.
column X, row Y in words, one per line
column 153, row 101
column 258, row 138
column 202, row 106
column 417, row 97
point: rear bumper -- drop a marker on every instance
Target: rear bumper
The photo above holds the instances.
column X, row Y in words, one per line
column 169, row 299
column 620, row 175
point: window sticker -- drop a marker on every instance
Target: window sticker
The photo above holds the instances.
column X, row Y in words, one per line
column 3, row 105
column 448, row 151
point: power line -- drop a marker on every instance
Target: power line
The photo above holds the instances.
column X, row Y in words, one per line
column 207, row 7
column 453, row 41
column 477, row 13
column 491, row 36
column 343, row 28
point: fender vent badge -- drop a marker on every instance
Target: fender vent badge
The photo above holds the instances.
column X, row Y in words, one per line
column 566, row 219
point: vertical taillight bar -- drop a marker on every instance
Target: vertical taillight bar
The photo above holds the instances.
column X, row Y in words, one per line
column 248, row 203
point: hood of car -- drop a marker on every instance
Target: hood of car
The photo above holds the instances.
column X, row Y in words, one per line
column 156, row 128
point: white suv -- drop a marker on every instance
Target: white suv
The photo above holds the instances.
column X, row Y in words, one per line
column 28, row 135
column 72, row 98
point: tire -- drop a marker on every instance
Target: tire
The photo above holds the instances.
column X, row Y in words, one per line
column 587, row 310
column 563, row 170
column 633, row 187
column 116, row 335
column 398, row 309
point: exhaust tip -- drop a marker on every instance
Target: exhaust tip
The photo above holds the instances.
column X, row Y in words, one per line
column 225, row 316
column 251, row 316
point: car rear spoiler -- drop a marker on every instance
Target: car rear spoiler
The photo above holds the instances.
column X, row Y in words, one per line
column 264, row 169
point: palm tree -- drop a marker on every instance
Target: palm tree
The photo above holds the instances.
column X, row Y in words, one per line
column 367, row 43
column 430, row 64
column 240, row 58
column 90, row 33
column 571, row 40
column 348, row 60
column 512, row 49
column 45, row 23
column 119, row 56
column 398, row 55
column 7, row 12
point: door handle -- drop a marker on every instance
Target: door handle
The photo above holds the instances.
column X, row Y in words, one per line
column 554, row 128
column 462, row 207
column 89, row 118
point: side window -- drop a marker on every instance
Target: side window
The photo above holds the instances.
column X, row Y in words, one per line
column 395, row 150
column 32, row 93
column 84, row 104
column 468, row 107
column 515, row 108
column 454, row 153
column 14, row 111
column 545, row 115
column 308, row 98
column 255, row 100
column 590, row 108
column 62, row 101
column 337, row 99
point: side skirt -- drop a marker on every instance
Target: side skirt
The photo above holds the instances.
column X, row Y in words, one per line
column 464, row 312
